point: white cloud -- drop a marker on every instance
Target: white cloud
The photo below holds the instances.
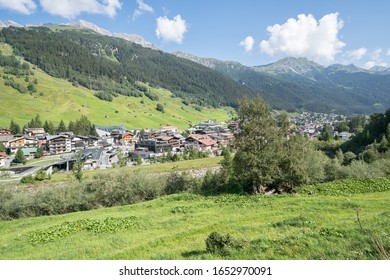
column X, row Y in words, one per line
column 388, row 52
column 372, row 63
column 376, row 60
column 142, row 8
column 376, row 54
column 306, row 37
column 358, row 54
column 248, row 43
column 20, row 6
column 72, row 8
column 171, row 30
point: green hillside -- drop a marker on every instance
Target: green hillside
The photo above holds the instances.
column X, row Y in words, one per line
column 176, row 227
column 57, row 99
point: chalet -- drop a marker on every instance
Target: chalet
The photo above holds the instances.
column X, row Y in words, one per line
column 4, row 139
column 201, row 142
column 125, row 138
column 5, row 131
column 3, row 156
column 35, row 132
column 59, row 144
column 16, row 143
column 31, row 142
column 224, row 139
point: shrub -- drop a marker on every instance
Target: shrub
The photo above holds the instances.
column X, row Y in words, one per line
column 181, row 182
column 104, row 96
column 41, row 175
column 160, row 108
column 217, row 243
column 27, row 179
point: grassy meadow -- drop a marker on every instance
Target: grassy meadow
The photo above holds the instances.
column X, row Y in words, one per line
column 176, row 227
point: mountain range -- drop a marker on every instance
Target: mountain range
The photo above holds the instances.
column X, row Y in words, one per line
column 91, row 26
column 293, row 84
column 299, row 84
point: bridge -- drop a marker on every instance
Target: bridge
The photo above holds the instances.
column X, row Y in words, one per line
column 25, row 170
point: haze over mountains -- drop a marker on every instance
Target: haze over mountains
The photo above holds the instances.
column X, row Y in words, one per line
column 291, row 83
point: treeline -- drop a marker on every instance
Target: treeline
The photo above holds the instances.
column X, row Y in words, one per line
column 82, row 126
column 82, row 59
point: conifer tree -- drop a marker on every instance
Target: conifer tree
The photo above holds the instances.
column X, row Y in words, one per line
column 19, row 157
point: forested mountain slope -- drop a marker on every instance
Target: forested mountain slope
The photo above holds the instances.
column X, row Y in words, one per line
column 114, row 65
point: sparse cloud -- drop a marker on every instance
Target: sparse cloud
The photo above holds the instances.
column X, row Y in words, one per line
column 142, row 8
column 21, row 6
column 248, row 43
column 376, row 60
column 72, row 8
column 388, row 52
column 171, row 30
column 306, row 37
column 358, row 54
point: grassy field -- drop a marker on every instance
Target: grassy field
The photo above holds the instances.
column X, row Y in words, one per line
column 147, row 169
column 57, row 99
column 176, row 227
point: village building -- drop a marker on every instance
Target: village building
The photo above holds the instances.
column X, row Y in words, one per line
column 201, row 142
column 154, row 145
column 35, row 132
column 3, row 156
column 59, row 144
column 4, row 139
column 98, row 158
column 31, row 142
column 29, row 153
column 16, row 144
column 169, row 129
column 5, row 131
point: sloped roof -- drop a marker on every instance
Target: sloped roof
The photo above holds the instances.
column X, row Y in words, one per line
column 203, row 139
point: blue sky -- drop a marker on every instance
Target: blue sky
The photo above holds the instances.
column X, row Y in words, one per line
column 248, row 31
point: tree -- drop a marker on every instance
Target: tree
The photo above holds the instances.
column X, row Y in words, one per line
column 35, row 122
column 61, row 126
column 31, row 87
column 71, row 126
column 142, row 134
column 2, row 147
column 41, row 175
column 256, row 162
column 139, row 160
column 49, row 127
column 326, row 134
column 160, row 108
column 19, row 157
column 78, row 168
column 39, row 152
column 14, row 127
column 122, row 158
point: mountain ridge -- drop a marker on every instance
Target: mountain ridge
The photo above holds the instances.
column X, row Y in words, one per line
column 299, row 84
column 134, row 38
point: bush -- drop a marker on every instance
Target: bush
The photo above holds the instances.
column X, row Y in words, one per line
column 217, row 243
column 104, row 96
column 41, row 175
column 181, row 182
column 27, row 179
column 160, row 108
